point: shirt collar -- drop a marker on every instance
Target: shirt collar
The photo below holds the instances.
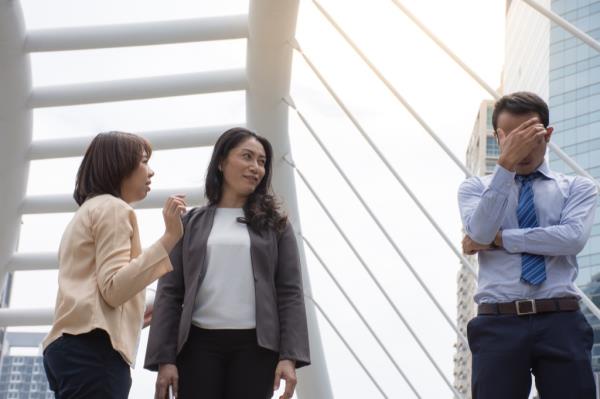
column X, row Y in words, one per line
column 544, row 169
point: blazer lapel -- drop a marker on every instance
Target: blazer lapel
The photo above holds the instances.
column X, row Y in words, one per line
column 261, row 254
column 194, row 250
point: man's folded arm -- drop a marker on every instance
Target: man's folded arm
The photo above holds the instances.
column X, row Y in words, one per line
column 483, row 209
column 566, row 238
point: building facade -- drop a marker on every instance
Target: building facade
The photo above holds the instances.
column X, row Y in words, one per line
column 574, row 99
column 481, row 159
column 22, row 373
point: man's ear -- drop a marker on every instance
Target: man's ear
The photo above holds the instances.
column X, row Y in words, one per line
column 549, row 131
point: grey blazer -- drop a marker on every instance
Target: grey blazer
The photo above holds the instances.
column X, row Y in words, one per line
column 280, row 313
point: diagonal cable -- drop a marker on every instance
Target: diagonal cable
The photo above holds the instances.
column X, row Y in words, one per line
column 362, row 318
column 387, row 163
column 446, row 49
column 373, row 277
column 341, row 337
column 387, row 235
column 393, row 90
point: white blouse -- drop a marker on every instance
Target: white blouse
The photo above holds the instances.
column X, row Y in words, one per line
column 226, row 298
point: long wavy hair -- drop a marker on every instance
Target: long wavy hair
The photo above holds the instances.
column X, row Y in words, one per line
column 262, row 208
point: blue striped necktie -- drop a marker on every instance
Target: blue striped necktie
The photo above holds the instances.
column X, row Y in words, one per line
column 533, row 267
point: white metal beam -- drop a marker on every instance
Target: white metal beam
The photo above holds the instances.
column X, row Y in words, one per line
column 160, row 139
column 58, row 203
column 138, row 34
column 15, row 317
column 33, row 261
column 271, row 26
column 15, row 127
column 139, row 88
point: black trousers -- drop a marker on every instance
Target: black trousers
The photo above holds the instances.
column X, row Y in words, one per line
column 555, row 347
column 86, row 366
column 225, row 364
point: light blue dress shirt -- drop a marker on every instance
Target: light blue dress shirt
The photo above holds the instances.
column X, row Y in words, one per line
column 565, row 207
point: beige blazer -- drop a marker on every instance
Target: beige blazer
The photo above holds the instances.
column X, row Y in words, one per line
column 103, row 274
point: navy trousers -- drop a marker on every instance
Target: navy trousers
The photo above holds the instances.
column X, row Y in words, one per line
column 554, row 347
column 225, row 364
column 86, row 366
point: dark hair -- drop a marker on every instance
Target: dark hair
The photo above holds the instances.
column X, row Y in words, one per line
column 110, row 158
column 261, row 210
column 520, row 103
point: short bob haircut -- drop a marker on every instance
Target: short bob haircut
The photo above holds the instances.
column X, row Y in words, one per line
column 110, row 158
column 521, row 103
column 261, row 210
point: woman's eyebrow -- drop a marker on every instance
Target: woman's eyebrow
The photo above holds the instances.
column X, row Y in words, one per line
column 253, row 152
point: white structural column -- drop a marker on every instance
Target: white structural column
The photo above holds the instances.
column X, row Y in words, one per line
column 271, row 26
column 15, row 127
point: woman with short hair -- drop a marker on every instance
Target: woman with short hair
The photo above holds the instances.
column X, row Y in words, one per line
column 229, row 321
column 103, row 271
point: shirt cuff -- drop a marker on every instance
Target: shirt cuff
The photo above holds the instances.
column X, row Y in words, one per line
column 502, row 180
column 513, row 240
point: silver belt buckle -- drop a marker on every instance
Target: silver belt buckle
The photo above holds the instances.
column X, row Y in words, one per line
column 526, row 312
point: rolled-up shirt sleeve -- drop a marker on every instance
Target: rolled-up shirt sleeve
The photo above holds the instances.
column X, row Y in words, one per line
column 482, row 209
column 566, row 238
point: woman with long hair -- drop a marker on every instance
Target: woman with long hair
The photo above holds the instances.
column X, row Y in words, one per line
column 103, row 271
column 229, row 321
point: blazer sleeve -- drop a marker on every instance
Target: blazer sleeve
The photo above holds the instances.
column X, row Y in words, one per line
column 290, row 301
column 119, row 276
column 164, row 327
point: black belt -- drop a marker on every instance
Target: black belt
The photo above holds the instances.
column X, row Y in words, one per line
column 529, row 306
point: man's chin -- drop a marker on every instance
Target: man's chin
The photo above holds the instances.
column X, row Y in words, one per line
column 525, row 171
column 526, row 168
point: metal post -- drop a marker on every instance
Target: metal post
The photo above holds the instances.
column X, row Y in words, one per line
column 271, row 26
column 15, row 127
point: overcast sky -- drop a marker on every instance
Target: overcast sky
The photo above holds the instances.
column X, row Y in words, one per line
column 438, row 89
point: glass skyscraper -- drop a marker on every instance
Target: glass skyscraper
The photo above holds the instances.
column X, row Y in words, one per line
column 574, row 85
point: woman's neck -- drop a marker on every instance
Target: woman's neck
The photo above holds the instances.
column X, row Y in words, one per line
column 231, row 200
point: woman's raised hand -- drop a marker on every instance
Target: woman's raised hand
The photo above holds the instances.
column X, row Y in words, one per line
column 172, row 210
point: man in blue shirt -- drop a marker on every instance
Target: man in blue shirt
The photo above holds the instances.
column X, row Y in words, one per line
column 527, row 224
